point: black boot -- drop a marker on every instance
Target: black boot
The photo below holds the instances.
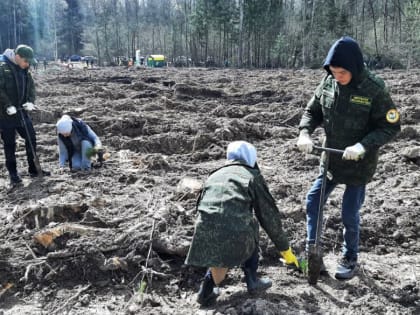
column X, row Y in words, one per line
column 15, row 180
column 206, row 294
column 253, row 283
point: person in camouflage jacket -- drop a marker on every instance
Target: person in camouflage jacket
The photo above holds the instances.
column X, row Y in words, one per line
column 17, row 97
column 234, row 201
column 358, row 116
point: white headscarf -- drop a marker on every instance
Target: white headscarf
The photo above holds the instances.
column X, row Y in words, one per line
column 242, row 150
column 65, row 124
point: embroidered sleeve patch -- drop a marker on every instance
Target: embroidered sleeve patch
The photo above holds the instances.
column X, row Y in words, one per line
column 361, row 100
column 392, row 116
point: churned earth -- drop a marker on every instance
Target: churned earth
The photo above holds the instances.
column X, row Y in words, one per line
column 113, row 241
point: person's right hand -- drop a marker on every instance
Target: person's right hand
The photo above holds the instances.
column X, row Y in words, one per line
column 304, row 142
column 11, row 110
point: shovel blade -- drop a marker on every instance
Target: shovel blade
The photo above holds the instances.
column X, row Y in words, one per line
column 314, row 264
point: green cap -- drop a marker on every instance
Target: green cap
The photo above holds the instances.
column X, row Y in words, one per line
column 25, row 52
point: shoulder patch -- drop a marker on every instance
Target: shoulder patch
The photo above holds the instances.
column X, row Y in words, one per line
column 361, row 100
column 392, row 116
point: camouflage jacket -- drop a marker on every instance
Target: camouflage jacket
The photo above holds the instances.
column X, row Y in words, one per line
column 234, row 199
column 11, row 92
column 362, row 112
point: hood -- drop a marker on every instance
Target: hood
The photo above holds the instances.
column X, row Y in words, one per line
column 345, row 53
column 10, row 55
column 242, row 150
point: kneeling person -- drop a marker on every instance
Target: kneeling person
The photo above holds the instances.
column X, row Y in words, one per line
column 235, row 198
column 76, row 141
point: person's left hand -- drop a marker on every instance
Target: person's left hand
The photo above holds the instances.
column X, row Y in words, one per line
column 29, row 106
column 355, row 152
column 290, row 258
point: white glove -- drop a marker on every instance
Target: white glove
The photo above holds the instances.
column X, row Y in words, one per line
column 29, row 106
column 355, row 152
column 304, row 142
column 11, row 110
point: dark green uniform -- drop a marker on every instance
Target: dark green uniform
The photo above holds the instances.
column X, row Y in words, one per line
column 353, row 113
column 226, row 232
column 16, row 88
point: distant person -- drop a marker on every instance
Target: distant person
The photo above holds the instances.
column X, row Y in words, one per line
column 354, row 108
column 34, row 64
column 91, row 63
column 17, row 97
column 77, row 142
column 45, row 63
column 87, row 63
column 234, row 201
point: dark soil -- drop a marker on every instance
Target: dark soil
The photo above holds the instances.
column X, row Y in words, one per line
column 78, row 243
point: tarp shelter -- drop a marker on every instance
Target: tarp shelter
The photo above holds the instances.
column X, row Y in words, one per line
column 156, row 61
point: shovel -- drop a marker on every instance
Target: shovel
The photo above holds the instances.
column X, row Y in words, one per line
column 28, row 138
column 314, row 250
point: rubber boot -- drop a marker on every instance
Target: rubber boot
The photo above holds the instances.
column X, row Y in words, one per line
column 15, row 180
column 206, row 294
column 253, row 283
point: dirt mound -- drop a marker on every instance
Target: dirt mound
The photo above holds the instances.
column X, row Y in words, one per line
column 113, row 241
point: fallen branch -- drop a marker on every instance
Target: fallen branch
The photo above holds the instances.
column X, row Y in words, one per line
column 154, row 272
column 71, row 299
column 144, row 269
column 28, row 269
column 148, row 255
column 11, row 224
column 47, row 237
column 34, row 256
column 4, row 289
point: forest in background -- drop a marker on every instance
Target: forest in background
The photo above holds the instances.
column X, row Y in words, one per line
column 240, row 33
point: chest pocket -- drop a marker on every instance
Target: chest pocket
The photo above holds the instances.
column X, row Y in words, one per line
column 327, row 99
column 357, row 117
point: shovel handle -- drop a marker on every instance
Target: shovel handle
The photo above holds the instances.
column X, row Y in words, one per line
column 328, row 150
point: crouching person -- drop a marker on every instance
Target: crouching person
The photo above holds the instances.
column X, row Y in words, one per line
column 76, row 142
column 235, row 198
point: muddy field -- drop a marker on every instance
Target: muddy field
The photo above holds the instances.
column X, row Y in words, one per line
column 114, row 241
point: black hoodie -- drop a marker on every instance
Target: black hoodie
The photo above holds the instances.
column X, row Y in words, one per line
column 359, row 112
column 345, row 53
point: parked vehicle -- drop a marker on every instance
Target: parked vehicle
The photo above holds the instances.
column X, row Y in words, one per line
column 88, row 58
column 75, row 58
column 156, row 61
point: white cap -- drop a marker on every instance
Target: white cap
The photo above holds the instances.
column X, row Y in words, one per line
column 65, row 124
